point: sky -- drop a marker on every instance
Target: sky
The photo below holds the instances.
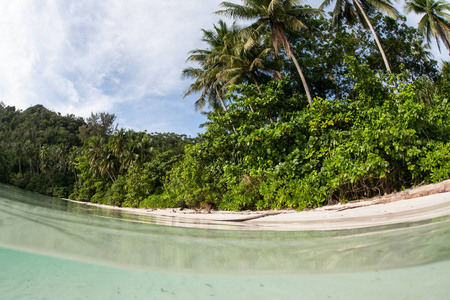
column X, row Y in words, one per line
column 117, row 56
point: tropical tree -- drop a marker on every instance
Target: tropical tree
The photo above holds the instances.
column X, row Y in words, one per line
column 145, row 148
column 275, row 18
column 98, row 124
column 352, row 11
column 94, row 152
column 435, row 22
column 324, row 48
column 248, row 66
column 206, row 76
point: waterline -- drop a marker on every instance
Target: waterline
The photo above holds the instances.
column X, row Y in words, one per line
column 51, row 248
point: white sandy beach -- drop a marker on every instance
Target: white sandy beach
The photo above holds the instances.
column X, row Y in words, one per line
column 413, row 205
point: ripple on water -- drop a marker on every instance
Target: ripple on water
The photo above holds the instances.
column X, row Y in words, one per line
column 52, row 249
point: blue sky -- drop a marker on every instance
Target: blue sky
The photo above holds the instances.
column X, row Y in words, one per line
column 122, row 57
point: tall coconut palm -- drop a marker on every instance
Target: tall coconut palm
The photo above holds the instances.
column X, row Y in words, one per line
column 106, row 164
column 97, row 156
column 206, row 76
column 275, row 17
column 146, row 149
column 250, row 66
column 435, row 22
column 208, row 85
column 352, row 11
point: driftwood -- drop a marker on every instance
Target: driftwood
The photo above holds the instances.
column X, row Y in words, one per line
column 252, row 217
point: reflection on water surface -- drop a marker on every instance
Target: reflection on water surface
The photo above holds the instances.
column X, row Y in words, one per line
column 49, row 244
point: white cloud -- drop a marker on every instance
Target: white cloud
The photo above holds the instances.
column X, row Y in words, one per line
column 120, row 56
column 83, row 56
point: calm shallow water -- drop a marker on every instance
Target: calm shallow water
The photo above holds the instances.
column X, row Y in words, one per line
column 53, row 249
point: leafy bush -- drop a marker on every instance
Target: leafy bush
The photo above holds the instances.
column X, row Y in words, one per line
column 20, row 180
column 285, row 154
column 38, row 183
column 116, row 193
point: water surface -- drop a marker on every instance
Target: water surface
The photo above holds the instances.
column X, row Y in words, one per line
column 50, row 248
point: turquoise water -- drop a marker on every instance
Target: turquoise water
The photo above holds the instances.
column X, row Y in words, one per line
column 53, row 249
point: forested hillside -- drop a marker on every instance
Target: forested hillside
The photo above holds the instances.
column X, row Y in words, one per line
column 36, row 146
column 64, row 156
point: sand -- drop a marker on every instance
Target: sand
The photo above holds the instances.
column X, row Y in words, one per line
column 428, row 202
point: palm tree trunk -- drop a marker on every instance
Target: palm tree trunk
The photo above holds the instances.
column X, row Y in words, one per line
column 377, row 41
column 224, row 107
column 302, row 77
column 220, row 98
column 287, row 48
column 113, row 178
column 256, row 83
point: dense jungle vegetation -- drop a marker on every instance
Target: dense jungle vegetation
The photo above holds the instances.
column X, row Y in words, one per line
column 89, row 160
column 304, row 109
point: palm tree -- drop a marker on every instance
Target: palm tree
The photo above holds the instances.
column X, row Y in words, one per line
column 117, row 142
column 206, row 82
column 145, row 147
column 96, row 155
column 353, row 11
column 275, row 17
column 206, row 76
column 250, row 66
column 435, row 22
column 72, row 159
column 106, row 164
column 29, row 152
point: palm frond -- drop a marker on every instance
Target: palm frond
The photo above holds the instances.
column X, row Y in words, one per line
column 237, row 11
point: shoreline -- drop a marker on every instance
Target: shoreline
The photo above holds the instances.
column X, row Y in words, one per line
column 412, row 205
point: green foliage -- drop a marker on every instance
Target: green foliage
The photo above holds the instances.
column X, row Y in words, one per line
column 35, row 149
column 99, row 124
column 19, row 180
column 287, row 155
column 116, row 192
column 436, row 164
column 126, row 168
column 435, row 21
column 367, row 134
column 148, row 180
column 322, row 49
column 39, row 183
column 160, row 201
